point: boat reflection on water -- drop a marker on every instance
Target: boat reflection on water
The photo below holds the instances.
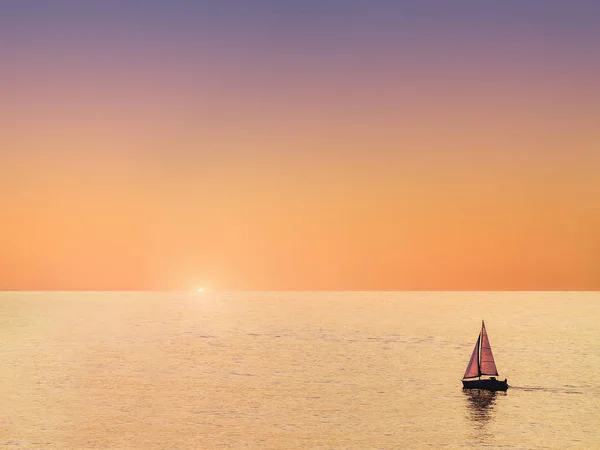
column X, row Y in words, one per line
column 480, row 411
column 480, row 404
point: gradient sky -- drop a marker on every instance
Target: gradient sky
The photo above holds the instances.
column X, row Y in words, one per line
column 332, row 144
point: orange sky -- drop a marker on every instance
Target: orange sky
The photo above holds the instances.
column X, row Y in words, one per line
column 232, row 163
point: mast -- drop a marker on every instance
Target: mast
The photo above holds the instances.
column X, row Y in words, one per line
column 479, row 352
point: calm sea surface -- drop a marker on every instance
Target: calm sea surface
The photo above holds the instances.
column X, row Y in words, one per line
column 281, row 370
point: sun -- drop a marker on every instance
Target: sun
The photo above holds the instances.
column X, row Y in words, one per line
column 200, row 290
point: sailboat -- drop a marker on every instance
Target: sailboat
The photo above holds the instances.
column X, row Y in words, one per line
column 482, row 364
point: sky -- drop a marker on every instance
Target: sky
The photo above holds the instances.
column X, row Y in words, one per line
column 300, row 145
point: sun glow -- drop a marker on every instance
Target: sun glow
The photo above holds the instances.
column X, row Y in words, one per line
column 200, row 290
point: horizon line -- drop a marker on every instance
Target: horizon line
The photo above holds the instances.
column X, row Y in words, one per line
column 207, row 291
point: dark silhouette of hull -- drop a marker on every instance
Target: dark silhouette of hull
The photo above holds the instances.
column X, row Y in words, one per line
column 490, row 384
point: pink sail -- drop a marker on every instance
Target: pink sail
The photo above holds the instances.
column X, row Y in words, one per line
column 473, row 366
column 488, row 366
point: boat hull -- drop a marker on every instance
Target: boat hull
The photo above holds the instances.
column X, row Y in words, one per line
column 486, row 384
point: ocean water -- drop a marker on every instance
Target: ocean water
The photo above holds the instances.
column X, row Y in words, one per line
column 289, row 370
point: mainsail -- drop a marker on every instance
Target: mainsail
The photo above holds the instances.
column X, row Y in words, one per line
column 487, row 364
column 482, row 359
